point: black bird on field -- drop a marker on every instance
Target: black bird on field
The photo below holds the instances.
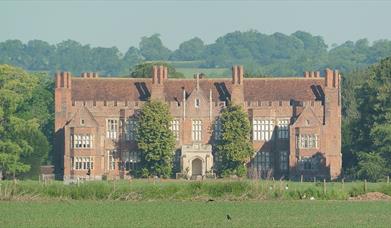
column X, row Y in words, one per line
column 229, row 217
column 210, row 200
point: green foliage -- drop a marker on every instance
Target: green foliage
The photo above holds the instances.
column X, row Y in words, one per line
column 190, row 50
column 366, row 125
column 261, row 54
column 371, row 166
column 23, row 146
column 234, row 146
column 155, row 140
column 144, row 70
column 220, row 190
column 152, row 48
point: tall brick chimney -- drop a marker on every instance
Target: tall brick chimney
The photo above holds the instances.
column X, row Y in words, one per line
column 332, row 78
column 159, row 75
column 62, row 98
column 237, row 94
column 332, row 121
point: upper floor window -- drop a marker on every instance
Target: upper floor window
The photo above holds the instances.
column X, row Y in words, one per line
column 263, row 129
column 83, row 163
column 79, row 141
column 283, row 126
column 175, row 128
column 197, row 103
column 196, row 133
column 112, row 128
column 284, row 160
column 130, row 129
column 307, row 141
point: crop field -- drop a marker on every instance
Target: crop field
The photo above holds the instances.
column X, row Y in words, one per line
column 71, row 213
column 179, row 203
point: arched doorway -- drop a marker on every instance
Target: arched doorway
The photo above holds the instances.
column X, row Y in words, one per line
column 196, row 167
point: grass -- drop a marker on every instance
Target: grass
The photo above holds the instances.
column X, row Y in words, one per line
column 227, row 190
column 194, row 214
column 210, row 72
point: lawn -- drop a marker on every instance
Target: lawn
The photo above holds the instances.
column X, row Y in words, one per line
column 71, row 213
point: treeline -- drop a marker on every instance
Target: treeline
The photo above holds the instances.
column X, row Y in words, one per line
column 261, row 54
column 366, row 140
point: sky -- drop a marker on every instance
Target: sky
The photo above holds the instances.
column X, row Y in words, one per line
column 122, row 23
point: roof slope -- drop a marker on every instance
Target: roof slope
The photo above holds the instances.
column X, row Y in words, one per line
column 255, row 89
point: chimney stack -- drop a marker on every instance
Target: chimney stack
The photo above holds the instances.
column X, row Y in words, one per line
column 237, row 75
column 63, row 80
column 332, row 78
column 89, row 75
column 159, row 74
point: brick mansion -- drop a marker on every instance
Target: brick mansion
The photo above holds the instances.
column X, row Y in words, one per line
column 296, row 122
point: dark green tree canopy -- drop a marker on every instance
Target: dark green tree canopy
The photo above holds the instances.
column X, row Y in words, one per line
column 234, row 147
column 367, row 120
column 144, row 70
column 155, row 140
column 152, row 48
column 23, row 146
column 190, row 50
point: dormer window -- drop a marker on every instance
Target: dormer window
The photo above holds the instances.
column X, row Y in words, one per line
column 197, row 103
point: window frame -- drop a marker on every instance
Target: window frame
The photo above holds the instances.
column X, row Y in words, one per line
column 112, row 128
column 175, row 128
column 196, row 130
column 263, row 129
column 283, row 128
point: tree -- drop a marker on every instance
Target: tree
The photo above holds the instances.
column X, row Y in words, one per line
column 21, row 140
column 155, row 140
column 132, row 58
column 371, row 166
column 106, row 61
column 189, row 50
column 234, row 147
column 368, row 120
column 152, row 48
column 144, row 70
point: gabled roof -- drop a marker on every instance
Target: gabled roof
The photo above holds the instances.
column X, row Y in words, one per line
column 83, row 111
column 309, row 115
column 255, row 89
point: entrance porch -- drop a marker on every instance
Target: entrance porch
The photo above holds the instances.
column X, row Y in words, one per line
column 196, row 160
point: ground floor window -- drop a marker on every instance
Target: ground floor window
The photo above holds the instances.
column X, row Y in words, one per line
column 262, row 161
column 309, row 163
column 83, row 163
column 111, row 159
column 283, row 160
column 130, row 160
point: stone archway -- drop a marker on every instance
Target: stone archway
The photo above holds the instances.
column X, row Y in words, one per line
column 196, row 167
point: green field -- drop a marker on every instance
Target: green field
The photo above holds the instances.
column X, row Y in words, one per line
column 195, row 214
column 210, row 72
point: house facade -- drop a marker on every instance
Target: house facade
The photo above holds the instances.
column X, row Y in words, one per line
column 296, row 123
